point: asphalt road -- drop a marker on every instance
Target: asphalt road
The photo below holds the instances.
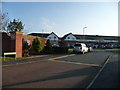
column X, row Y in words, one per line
column 60, row 73
column 109, row 77
column 96, row 57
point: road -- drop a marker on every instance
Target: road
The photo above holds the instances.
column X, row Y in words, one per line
column 109, row 77
column 62, row 71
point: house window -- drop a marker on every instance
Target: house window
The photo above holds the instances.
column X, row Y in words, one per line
column 54, row 37
column 49, row 37
column 68, row 37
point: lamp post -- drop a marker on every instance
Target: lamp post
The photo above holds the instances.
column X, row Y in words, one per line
column 42, row 33
column 84, row 32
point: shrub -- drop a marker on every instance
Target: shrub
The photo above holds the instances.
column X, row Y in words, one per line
column 60, row 50
column 26, row 53
column 36, row 44
column 48, row 48
column 25, row 49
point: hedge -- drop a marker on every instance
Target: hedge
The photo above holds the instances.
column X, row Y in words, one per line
column 60, row 50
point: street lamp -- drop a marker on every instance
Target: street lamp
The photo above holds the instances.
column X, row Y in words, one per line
column 42, row 33
column 84, row 31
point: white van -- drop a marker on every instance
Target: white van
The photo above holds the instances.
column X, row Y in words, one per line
column 80, row 47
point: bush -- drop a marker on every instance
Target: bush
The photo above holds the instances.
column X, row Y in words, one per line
column 25, row 49
column 26, row 53
column 36, row 44
column 48, row 48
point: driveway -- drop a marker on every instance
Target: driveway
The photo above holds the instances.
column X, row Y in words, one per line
column 66, row 71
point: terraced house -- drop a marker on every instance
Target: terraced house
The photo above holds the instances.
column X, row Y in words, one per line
column 96, row 41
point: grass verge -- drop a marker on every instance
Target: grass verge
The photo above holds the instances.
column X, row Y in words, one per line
column 10, row 58
column 70, row 50
column 113, row 50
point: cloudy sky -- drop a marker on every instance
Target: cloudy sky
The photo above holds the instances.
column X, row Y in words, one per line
column 100, row 18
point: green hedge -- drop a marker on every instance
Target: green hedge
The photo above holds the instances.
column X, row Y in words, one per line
column 60, row 50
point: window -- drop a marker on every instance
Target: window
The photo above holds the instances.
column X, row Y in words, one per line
column 54, row 37
column 68, row 37
column 49, row 37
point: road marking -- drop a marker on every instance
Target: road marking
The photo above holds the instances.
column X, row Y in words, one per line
column 53, row 59
column 61, row 57
column 37, row 61
column 75, row 63
column 91, row 83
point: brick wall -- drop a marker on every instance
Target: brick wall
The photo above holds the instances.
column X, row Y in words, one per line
column 19, row 40
column 12, row 42
column 8, row 44
column 18, row 45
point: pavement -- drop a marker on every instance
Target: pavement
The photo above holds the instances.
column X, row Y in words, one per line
column 63, row 71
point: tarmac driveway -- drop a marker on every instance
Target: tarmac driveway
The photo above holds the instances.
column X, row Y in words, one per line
column 48, row 74
column 55, row 74
column 95, row 58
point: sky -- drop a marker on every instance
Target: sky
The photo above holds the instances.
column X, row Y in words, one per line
column 100, row 18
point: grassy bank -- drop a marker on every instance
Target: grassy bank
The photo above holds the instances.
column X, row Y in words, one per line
column 113, row 49
column 9, row 58
column 70, row 50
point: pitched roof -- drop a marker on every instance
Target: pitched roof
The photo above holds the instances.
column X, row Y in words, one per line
column 66, row 35
column 40, row 34
column 45, row 35
column 54, row 34
column 92, row 37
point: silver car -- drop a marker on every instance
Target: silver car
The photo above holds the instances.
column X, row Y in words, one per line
column 80, row 47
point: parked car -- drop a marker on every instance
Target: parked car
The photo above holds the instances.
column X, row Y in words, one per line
column 80, row 47
column 90, row 49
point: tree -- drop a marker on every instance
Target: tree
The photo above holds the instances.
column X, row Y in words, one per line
column 36, row 44
column 48, row 48
column 15, row 24
column 4, row 19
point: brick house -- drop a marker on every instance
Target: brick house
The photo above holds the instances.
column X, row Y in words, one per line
column 13, row 42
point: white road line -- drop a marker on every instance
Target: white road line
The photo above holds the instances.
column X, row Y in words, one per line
column 75, row 63
column 91, row 83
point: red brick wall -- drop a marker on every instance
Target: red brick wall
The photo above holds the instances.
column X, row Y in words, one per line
column 12, row 42
column 31, row 38
column 18, row 44
column 20, row 37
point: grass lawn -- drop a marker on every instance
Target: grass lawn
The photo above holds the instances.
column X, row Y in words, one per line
column 70, row 50
column 113, row 49
column 9, row 58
